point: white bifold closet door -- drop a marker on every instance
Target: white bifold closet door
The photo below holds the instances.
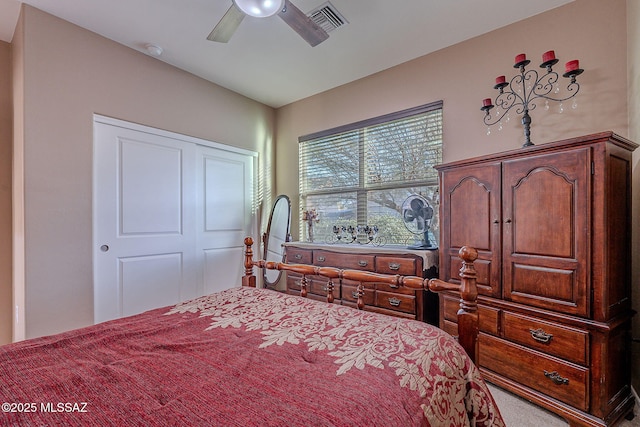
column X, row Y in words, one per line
column 170, row 215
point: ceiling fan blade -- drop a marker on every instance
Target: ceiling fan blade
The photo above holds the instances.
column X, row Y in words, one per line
column 227, row 26
column 302, row 24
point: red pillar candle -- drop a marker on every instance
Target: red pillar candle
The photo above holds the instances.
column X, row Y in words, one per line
column 548, row 56
column 521, row 58
column 572, row 65
column 500, row 80
column 486, row 102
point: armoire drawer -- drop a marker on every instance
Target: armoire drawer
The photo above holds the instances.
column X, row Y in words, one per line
column 556, row 378
column 489, row 317
column 554, row 339
column 450, row 327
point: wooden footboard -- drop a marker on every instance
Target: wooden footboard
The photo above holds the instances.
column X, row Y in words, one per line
column 467, row 315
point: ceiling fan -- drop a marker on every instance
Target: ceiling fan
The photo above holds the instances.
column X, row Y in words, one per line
column 289, row 13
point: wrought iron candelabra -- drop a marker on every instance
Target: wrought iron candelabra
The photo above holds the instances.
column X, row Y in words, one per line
column 362, row 234
column 526, row 87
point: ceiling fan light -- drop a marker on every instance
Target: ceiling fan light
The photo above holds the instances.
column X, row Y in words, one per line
column 259, row 8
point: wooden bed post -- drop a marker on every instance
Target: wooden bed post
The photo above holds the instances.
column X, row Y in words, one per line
column 468, row 313
column 249, row 279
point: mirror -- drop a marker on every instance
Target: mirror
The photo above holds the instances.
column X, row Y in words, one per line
column 277, row 233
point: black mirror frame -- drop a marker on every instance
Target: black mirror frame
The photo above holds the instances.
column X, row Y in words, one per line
column 265, row 239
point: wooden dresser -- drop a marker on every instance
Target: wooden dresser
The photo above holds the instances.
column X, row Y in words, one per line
column 378, row 297
column 552, row 225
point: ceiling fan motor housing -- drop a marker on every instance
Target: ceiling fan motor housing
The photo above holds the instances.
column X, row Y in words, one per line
column 259, row 8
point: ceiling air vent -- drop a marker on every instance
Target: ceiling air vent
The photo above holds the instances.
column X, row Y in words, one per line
column 327, row 17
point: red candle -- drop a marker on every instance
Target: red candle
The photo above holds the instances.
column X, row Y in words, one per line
column 572, row 65
column 521, row 58
column 486, row 102
column 500, row 80
column 548, row 56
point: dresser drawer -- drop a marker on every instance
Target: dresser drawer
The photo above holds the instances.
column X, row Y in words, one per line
column 383, row 298
column 349, row 293
column 567, row 343
column 397, row 302
column 396, row 265
column 298, row 256
column 554, row 377
column 344, row 261
column 489, row 317
column 395, row 289
column 450, row 307
column 319, row 286
column 293, row 283
column 314, row 285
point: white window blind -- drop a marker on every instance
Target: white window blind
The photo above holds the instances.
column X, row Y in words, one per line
column 360, row 174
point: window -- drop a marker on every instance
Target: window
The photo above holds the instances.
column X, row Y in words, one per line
column 361, row 174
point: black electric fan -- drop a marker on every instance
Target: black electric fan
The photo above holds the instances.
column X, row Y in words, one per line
column 417, row 214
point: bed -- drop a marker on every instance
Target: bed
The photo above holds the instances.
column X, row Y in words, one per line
column 253, row 357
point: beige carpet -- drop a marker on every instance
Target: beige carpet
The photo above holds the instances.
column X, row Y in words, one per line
column 518, row 412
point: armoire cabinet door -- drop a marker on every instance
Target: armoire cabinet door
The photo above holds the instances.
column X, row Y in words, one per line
column 471, row 216
column 546, row 231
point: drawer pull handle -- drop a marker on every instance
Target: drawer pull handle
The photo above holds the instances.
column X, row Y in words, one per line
column 298, row 256
column 556, row 378
column 321, row 259
column 363, row 263
column 540, row 335
column 394, row 266
column 394, row 302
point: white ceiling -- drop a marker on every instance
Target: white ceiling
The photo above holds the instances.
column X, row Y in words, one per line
column 265, row 59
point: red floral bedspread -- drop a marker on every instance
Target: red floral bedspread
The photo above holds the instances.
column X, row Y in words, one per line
column 245, row 357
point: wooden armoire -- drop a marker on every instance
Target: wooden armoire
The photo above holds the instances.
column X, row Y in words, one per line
column 552, row 225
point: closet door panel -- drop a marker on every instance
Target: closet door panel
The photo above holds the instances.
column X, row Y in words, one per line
column 143, row 227
column 224, row 182
column 170, row 216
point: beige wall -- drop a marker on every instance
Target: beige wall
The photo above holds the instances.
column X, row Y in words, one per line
column 5, row 193
column 590, row 30
column 462, row 75
column 69, row 74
